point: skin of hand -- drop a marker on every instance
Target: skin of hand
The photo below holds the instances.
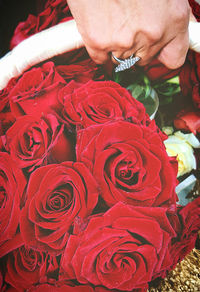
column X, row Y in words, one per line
column 145, row 28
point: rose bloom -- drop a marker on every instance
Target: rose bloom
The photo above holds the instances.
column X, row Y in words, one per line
column 23, row 30
column 1, row 281
column 158, row 72
column 190, row 77
column 33, row 142
column 56, row 195
column 130, row 163
column 81, row 72
column 186, row 75
column 195, row 5
column 6, row 116
column 36, row 91
column 67, row 287
column 100, row 102
column 12, row 187
column 26, row 266
column 189, row 217
column 54, row 12
column 181, row 147
column 120, row 249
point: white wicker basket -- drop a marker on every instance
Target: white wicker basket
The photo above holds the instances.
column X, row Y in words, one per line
column 56, row 40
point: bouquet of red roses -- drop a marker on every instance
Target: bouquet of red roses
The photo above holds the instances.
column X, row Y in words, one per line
column 88, row 200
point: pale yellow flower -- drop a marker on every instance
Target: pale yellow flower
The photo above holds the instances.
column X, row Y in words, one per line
column 181, row 146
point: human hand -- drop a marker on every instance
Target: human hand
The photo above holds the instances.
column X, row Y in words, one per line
column 145, row 28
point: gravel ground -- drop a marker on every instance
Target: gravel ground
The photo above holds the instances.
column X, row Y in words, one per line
column 184, row 278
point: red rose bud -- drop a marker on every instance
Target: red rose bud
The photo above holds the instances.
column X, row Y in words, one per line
column 188, row 121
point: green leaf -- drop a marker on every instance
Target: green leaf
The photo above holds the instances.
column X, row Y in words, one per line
column 169, row 87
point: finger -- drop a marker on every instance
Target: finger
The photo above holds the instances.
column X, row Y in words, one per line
column 146, row 54
column 121, row 55
column 98, row 56
column 144, row 48
column 174, row 53
column 148, row 51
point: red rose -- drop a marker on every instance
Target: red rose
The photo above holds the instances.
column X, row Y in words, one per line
column 196, row 95
column 130, row 164
column 81, row 72
column 190, row 77
column 196, row 80
column 23, row 30
column 12, row 186
column 120, row 249
column 6, row 117
column 26, row 266
column 57, row 4
column 189, row 121
column 36, row 91
column 56, row 195
column 60, row 287
column 103, row 289
column 9, row 289
column 189, row 217
column 195, row 5
column 1, row 280
column 55, row 11
column 100, row 102
column 185, row 77
column 33, row 142
column 156, row 71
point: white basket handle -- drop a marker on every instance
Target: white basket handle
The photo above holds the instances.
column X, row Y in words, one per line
column 53, row 41
column 58, row 39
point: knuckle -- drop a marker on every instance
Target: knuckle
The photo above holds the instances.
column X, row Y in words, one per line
column 154, row 35
column 97, row 59
column 174, row 57
column 123, row 41
column 126, row 42
column 96, row 42
column 182, row 16
column 175, row 64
